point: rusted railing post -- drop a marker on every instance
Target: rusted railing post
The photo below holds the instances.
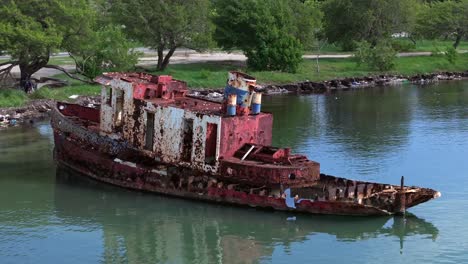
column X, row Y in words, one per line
column 401, row 199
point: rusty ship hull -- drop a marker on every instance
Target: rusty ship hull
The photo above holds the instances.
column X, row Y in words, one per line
column 79, row 145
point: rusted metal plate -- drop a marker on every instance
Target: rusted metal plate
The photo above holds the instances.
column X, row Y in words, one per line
column 239, row 130
column 78, row 111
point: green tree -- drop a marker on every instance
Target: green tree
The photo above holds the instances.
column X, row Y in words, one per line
column 307, row 21
column 444, row 19
column 348, row 22
column 104, row 50
column 271, row 33
column 31, row 30
column 165, row 24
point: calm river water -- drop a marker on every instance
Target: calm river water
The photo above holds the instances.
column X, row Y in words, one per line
column 50, row 216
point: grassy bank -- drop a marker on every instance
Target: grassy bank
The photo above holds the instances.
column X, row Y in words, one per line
column 12, row 98
column 213, row 75
column 421, row 45
column 16, row 98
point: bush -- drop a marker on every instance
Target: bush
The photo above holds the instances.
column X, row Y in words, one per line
column 269, row 32
column 380, row 57
column 350, row 45
column 401, row 45
column 282, row 53
column 451, row 54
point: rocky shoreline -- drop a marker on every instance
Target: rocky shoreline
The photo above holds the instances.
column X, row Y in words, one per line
column 309, row 87
column 35, row 110
column 39, row 109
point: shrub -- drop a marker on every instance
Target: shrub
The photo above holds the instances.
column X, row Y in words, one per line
column 271, row 33
column 401, row 45
column 284, row 53
column 451, row 54
column 380, row 57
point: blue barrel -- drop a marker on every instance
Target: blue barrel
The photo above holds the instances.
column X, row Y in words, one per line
column 255, row 109
column 242, row 95
column 232, row 104
column 231, row 110
column 256, row 103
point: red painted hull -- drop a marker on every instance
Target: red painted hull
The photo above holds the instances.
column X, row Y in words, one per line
column 73, row 156
column 82, row 148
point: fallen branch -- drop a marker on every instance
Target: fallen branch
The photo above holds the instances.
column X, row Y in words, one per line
column 9, row 62
column 6, row 71
column 68, row 74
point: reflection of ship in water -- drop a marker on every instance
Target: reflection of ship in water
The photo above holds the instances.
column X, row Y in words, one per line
column 141, row 228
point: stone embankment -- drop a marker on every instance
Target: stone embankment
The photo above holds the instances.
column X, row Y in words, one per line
column 309, row 87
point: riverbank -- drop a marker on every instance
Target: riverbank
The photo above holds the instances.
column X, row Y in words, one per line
column 37, row 109
column 213, row 75
column 207, row 79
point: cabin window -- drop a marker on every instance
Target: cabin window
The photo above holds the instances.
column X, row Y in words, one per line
column 119, row 105
column 149, row 137
column 109, row 96
column 210, row 143
column 187, row 139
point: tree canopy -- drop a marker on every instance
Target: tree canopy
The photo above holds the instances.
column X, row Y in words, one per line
column 31, row 30
column 444, row 19
column 347, row 22
column 166, row 24
column 100, row 34
column 271, row 33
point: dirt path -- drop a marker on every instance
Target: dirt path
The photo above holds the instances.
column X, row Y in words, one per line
column 186, row 56
column 44, row 72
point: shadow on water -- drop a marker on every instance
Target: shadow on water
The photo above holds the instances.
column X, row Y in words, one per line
column 139, row 227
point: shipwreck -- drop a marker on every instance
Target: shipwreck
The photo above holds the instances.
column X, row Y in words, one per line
column 148, row 134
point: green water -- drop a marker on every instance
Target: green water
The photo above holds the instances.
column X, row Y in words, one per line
column 52, row 216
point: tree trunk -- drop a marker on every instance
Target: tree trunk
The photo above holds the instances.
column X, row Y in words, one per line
column 167, row 58
column 160, row 57
column 25, row 81
column 457, row 40
column 27, row 69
